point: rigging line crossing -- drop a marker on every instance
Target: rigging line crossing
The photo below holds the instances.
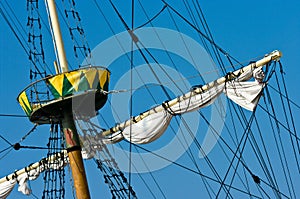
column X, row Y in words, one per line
column 5, row 149
column 288, row 123
column 261, row 161
column 192, row 15
column 191, row 170
column 257, row 148
column 205, row 36
column 49, row 31
column 152, row 176
column 137, row 44
column 35, row 40
column 17, row 145
column 286, row 166
column 6, row 140
column 164, row 47
column 272, row 173
column 273, row 130
column 208, row 161
column 288, row 102
column 9, row 150
column 278, row 121
column 226, row 144
column 185, row 45
column 216, row 133
column 20, row 25
column 149, row 20
column 190, row 154
column 208, row 32
column 262, row 191
column 245, row 122
column 127, row 28
column 111, row 173
column 246, row 133
column 257, row 152
column 17, row 37
column 214, row 50
column 237, row 141
column 243, row 119
column 275, row 138
column 142, row 54
column 83, row 46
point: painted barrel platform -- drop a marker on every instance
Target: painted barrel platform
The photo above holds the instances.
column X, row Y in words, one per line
column 79, row 90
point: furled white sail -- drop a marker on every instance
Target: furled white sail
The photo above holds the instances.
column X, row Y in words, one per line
column 151, row 124
column 195, row 101
column 31, row 172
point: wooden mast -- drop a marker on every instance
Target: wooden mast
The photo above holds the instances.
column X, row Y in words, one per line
column 68, row 125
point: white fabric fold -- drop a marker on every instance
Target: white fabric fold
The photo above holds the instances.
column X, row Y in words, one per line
column 148, row 129
column 6, row 187
column 113, row 138
column 245, row 94
column 197, row 101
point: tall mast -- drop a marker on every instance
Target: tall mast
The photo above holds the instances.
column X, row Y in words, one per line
column 59, row 44
column 68, row 125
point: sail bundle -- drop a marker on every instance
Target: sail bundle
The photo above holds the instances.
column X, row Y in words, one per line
column 32, row 172
column 151, row 124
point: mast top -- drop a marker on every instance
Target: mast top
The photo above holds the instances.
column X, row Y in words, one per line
column 57, row 37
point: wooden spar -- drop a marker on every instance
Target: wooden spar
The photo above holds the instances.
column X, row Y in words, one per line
column 68, row 125
column 273, row 56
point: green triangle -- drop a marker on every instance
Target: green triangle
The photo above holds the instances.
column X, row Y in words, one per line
column 83, row 84
column 54, row 92
column 67, row 87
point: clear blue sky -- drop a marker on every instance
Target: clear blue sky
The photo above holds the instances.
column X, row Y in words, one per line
column 245, row 29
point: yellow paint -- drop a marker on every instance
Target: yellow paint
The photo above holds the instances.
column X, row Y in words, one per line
column 74, row 78
column 23, row 99
column 90, row 76
column 103, row 77
column 57, row 82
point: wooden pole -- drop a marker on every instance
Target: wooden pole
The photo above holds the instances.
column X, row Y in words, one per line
column 75, row 157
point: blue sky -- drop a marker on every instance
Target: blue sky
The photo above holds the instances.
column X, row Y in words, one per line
column 246, row 30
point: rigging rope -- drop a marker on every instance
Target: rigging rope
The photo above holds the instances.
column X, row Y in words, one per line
column 36, row 51
column 77, row 33
column 54, row 179
column 119, row 186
